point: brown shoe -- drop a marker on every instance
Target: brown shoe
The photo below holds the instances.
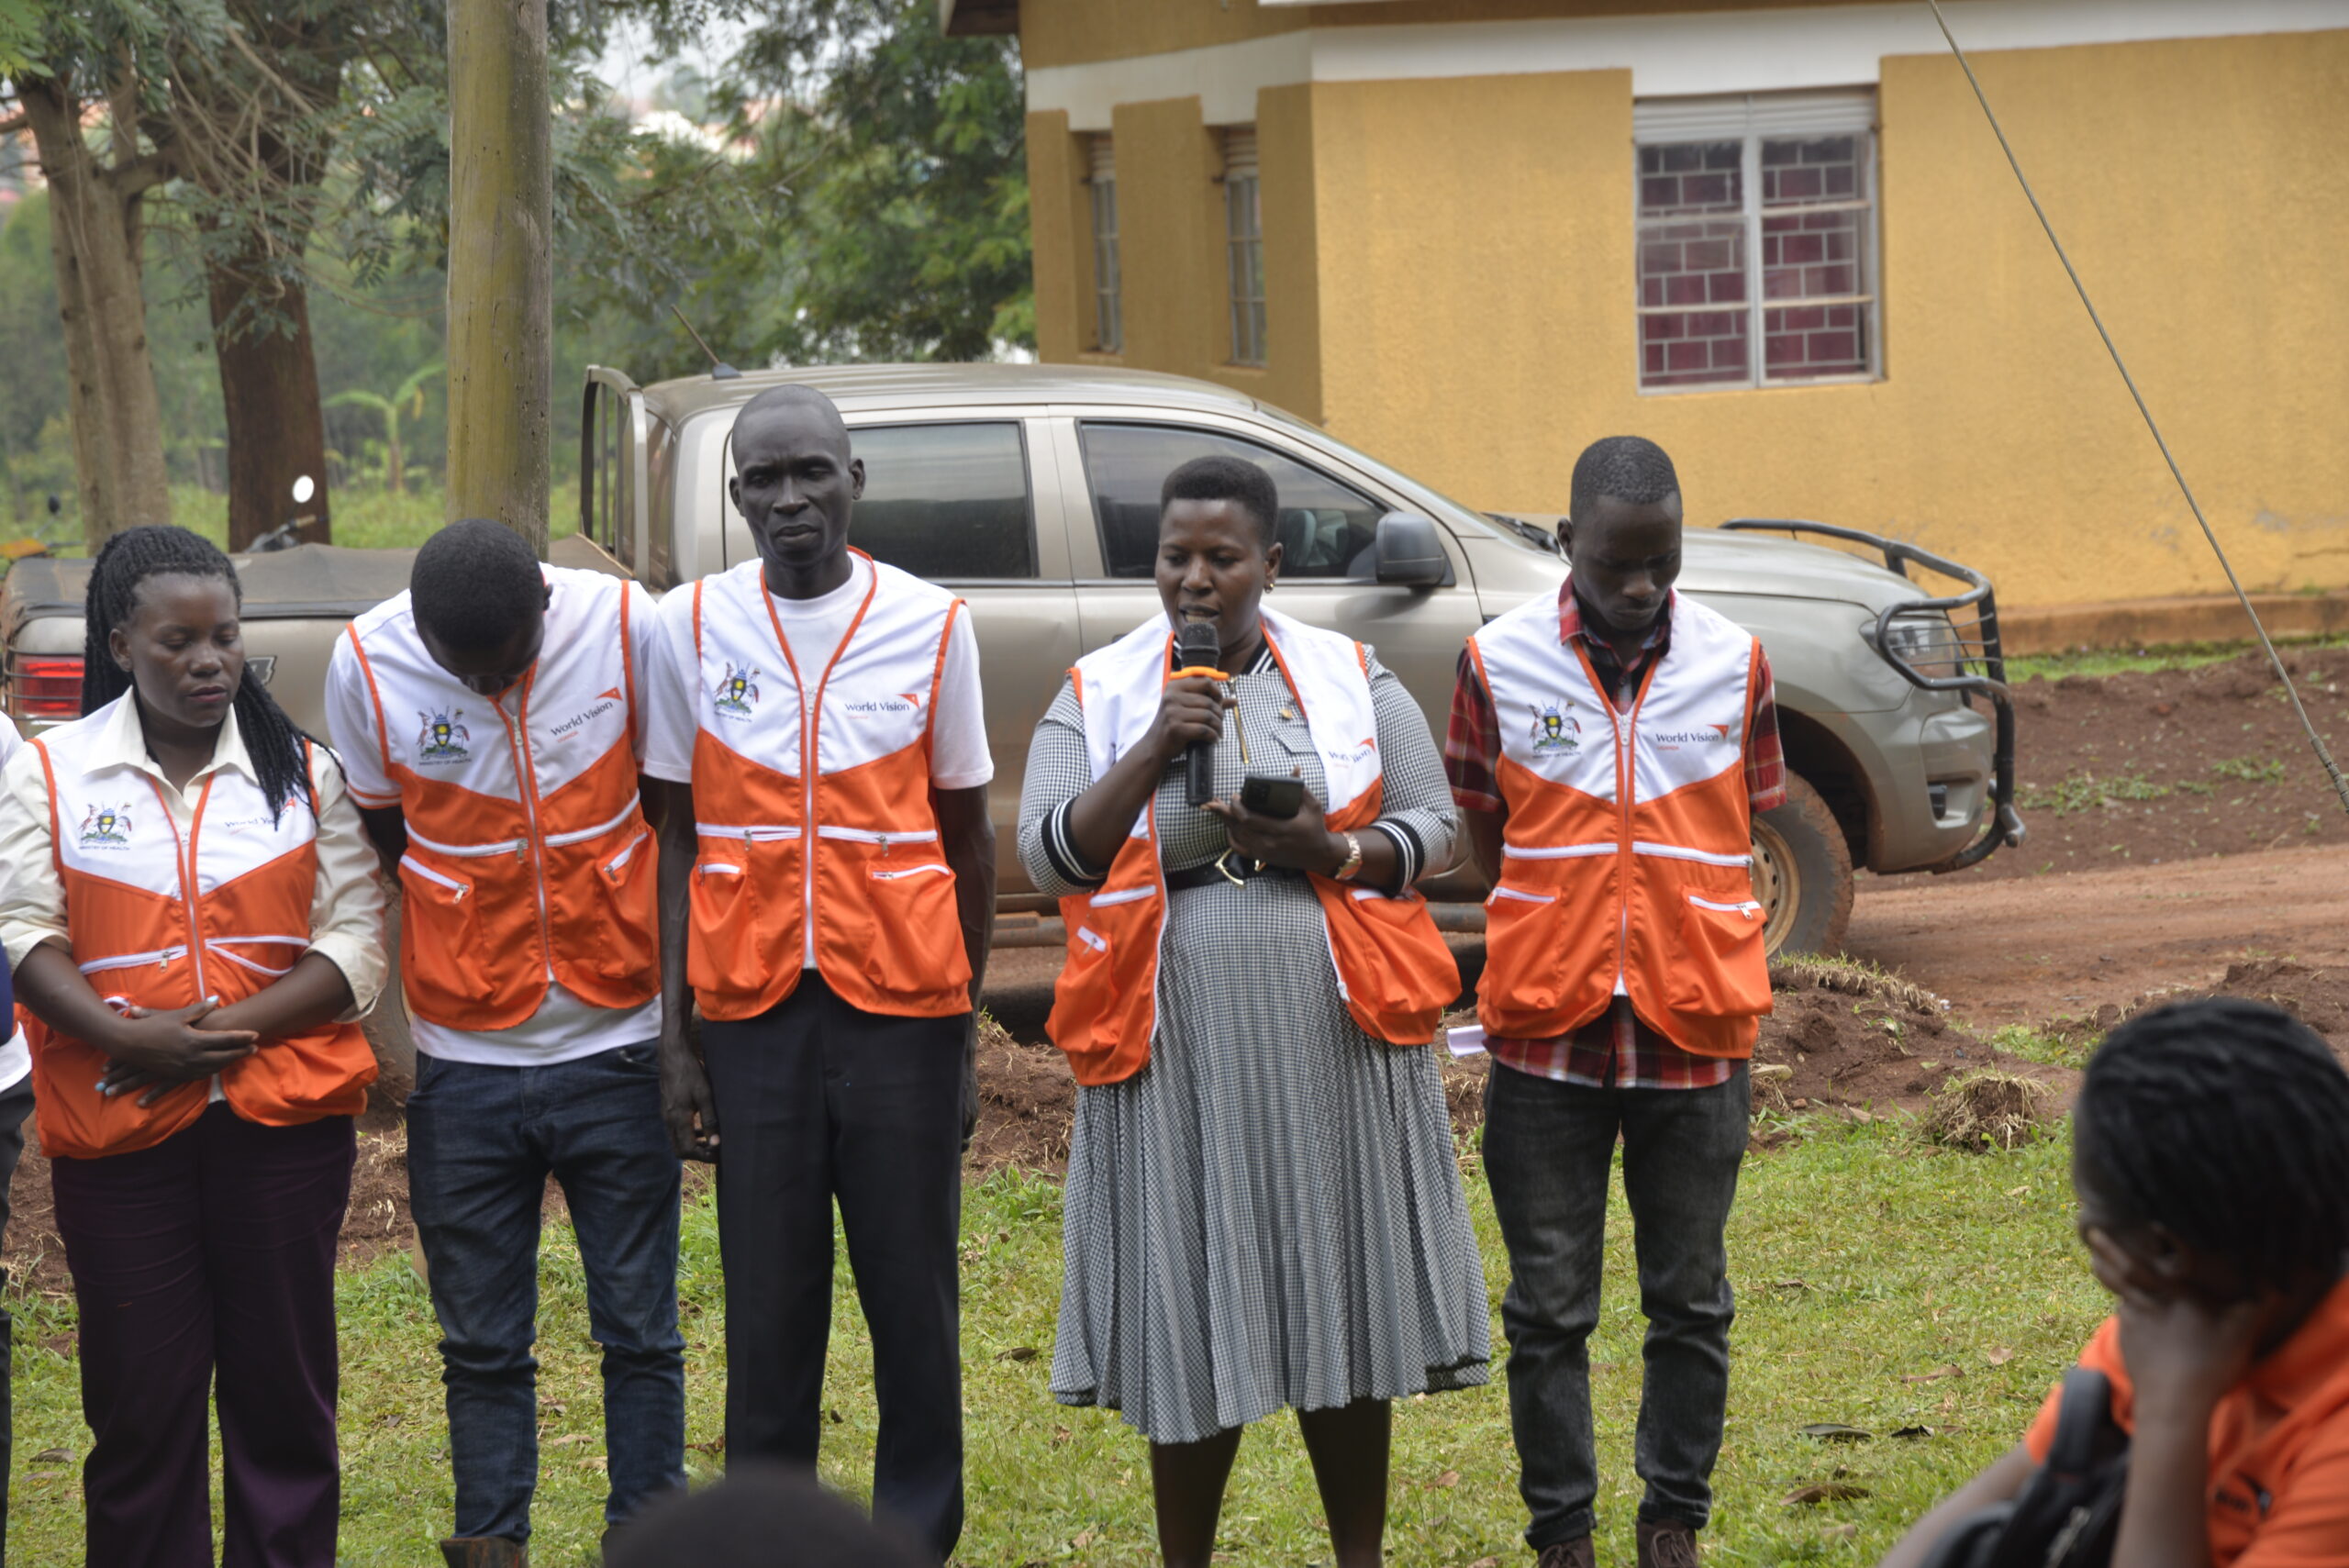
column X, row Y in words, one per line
column 484, row 1551
column 1568, row 1554
column 1666, row 1543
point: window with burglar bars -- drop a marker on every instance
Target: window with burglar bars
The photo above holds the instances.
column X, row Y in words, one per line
column 1244, row 216
column 1757, row 241
column 1108, row 331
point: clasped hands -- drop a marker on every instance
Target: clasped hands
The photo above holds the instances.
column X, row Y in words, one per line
column 167, row 1048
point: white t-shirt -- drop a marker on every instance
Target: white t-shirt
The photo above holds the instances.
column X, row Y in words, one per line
column 959, row 758
column 15, row 1056
column 566, row 1026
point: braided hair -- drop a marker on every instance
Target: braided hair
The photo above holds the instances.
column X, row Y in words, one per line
column 2226, row 1122
column 129, row 558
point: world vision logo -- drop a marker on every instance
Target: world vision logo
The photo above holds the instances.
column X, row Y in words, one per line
column 106, row 827
column 1367, row 746
column 904, row 702
column 442, row 737
column 570, row 727
column 1712, row 734
column 1555, row 730
column 738, row 693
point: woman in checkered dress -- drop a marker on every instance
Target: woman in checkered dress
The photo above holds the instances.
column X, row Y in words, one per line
column 1269, row 1213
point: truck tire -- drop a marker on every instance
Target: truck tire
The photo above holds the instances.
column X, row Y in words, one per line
column 1802, row 873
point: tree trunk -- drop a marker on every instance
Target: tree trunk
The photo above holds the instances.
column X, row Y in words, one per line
column 501, row 284
column 95, row 238
column 269, row 394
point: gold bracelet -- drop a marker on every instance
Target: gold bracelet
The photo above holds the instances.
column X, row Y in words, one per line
column 1352, row 864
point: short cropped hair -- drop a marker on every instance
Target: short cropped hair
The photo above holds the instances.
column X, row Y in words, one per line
column 761, row 1516
column 1219, row 478
column 2226, row 1122
column 1629, row 468
column 475, row 585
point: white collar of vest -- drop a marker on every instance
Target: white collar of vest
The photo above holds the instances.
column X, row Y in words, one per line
column 113, row 738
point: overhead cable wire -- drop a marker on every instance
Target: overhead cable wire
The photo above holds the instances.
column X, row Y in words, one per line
column 2323, row 753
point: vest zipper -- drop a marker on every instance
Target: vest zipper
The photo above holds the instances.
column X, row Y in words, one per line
column 526, row 777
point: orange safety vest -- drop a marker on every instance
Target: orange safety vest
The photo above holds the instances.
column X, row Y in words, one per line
column 529, row 859
column 160, row 922
column 1627, row 866
column 1393, row 971
column 811, row 805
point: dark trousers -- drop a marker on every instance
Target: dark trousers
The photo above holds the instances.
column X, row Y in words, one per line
column 817, row 1101
column 15, row 1104
column 1548, row 1147
column 212, row 1252
column 481, row 1142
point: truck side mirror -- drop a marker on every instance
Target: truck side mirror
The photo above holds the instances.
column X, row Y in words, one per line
column 1411, row 551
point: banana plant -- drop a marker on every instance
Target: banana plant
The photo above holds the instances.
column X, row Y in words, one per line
column 408, row 398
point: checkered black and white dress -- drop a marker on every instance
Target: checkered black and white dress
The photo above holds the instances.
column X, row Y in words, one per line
column 1270, row 1213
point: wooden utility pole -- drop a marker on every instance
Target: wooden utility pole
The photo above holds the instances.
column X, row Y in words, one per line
column 501, row 281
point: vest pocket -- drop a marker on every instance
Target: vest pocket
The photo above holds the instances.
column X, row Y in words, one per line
column 1727, row 973
column 917, row 943
column 1526, row 944
column 441, row 942
column 1105, row 1003
column 623, row 948
column 736, row 942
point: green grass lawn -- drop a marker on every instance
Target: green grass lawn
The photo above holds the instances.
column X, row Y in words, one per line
column 1862, row 1257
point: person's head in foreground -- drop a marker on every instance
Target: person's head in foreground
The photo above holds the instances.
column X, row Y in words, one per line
column 1621, row 535
column 479, row 603
column 2211, row 1160
column 760, row 1517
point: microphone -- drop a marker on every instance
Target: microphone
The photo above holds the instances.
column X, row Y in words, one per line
column 1198, row 646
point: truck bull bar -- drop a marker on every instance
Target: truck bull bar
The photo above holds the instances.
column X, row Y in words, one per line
column 1961, row 640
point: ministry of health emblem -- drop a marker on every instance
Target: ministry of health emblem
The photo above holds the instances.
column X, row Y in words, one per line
column 739, row 692
column 443, row 736
column 106, row 825
column 1554, row 729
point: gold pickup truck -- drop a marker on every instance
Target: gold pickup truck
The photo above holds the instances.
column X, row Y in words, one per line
column 1032, row 491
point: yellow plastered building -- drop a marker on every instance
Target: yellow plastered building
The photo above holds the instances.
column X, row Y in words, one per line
column 1781, row 239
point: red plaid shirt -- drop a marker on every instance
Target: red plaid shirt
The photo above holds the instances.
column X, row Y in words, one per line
column 1618, row 1050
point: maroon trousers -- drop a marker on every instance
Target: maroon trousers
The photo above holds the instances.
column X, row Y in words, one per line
column 212, row 1252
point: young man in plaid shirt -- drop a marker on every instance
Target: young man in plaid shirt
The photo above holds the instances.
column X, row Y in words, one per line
column 1607, row 751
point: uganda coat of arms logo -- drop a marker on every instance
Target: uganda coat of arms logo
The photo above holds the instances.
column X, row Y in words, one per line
column 739, row 692
column 443, row 736
column 1554, row 729
column 106, row 825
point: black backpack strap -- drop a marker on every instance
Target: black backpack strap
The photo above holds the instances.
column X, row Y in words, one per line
column 2083, row 1416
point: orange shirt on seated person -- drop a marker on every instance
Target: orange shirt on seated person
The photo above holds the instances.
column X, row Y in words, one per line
column 2279, row 1444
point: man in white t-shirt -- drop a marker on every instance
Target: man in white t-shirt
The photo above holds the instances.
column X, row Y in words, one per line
column 491, row 723
column 828, row 892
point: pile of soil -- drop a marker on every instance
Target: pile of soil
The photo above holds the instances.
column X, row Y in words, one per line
column 1027, row 1104
column 2147, row 766
column 1842, row 1036
column 2317, row 994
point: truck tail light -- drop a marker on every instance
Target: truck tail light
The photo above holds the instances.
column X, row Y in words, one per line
column 46, row 687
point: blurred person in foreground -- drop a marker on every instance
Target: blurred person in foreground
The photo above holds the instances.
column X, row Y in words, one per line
column 2210, row 1159
column 1263, row 1207
column 761, row 1516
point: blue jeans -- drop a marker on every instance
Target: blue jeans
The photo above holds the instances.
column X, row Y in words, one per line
column 481, row 1144
column 1548, row 1148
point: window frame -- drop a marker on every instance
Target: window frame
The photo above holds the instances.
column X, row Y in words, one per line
column 1751, row 119
column 1187, row 423
column 1101, row 197
column 1249, row 316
